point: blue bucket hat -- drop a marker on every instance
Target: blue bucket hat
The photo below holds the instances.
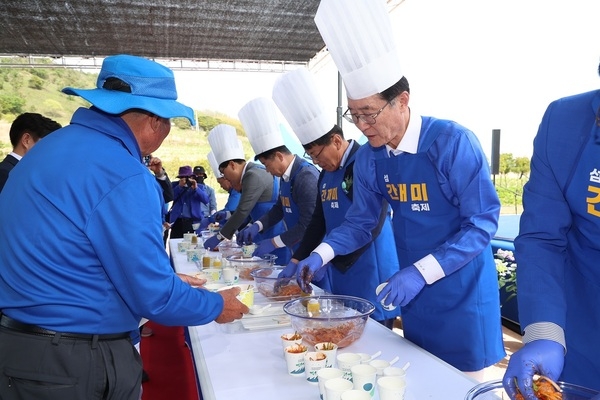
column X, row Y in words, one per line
column 126, row 82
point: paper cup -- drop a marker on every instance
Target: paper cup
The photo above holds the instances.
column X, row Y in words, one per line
column 313, row 362
column 230, row 275
column 212, row 274
column 248, row 250
column 379, row 365
column 391, row 388
column 246, row 295
column 356, row 395
column 364, row 358
column 390, row 307
column 335, row 387
column 394, row 371
column 325, row 374
column 187, row 237
column 194, row 255
column 346, row 361
column 288, row 339
column 330, row 350
column 294, row 359
column 182, row 247
column 364, row 377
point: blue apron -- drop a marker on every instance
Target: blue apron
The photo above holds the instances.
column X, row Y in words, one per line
column 581, row 273
column 454, row 318
column 260, row 209
column 376, row 265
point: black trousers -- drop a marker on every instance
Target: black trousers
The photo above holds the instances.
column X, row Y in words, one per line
column 181, row 226
column 34, row 367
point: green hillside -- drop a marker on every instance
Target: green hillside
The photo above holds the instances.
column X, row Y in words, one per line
column 38, row 90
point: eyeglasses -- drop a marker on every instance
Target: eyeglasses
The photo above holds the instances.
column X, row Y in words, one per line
column 368, row 119
column 315, row 157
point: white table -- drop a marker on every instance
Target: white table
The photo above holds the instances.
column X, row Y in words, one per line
column 250, row 364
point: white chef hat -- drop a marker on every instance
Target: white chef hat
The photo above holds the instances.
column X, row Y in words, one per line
column 360, row 39
column 225, row 144
column 300, row 102
column 214, row 165
column 261, row 123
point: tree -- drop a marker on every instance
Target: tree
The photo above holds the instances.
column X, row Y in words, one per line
column 522, row 166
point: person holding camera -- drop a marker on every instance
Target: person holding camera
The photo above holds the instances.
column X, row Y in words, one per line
column 189, row 195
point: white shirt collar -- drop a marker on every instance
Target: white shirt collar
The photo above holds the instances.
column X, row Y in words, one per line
column 288, row 172
column 410, row 141
column 15, row 155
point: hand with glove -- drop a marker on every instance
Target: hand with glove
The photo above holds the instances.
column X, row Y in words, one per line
column 265, row 246
column 247, row 234
column 221, row 215
column 402, row 287
column 285, row 275
column 308, row 268
column 212, row 242
column 542, row 357
column 203, row 224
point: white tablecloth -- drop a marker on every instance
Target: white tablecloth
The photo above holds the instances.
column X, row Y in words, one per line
column 234, row 363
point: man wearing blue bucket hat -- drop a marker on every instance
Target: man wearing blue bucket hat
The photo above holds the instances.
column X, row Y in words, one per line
column 82, row 257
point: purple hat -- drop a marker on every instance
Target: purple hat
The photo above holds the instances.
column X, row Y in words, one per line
column 126, row 82
column 185, row 171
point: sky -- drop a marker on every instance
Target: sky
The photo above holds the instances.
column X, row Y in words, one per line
column 486, row 64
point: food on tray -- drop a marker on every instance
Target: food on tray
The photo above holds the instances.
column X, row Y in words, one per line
column 245, row 273
column 544, row 389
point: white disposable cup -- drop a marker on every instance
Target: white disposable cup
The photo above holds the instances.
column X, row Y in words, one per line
column 212, row 274
column 313, row 362
column 389, row 307
column 346, row 361
column 379, row 365
column 364, row 377
column 394, row 371
column 331, row 354
column 230, row 275
column 356, row 395
column 287, row 341
column 364, row 358
column 248, row 250
column 391, row 388
column 187, row 237
column 323, row 375
column 335, row 387
column 295, row 360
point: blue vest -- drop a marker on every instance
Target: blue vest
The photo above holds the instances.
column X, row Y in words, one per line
column 454, row 318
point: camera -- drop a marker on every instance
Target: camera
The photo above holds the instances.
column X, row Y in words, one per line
column 147, row 160
column 187, row 180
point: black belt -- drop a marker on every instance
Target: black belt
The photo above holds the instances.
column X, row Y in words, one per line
column 14, row 325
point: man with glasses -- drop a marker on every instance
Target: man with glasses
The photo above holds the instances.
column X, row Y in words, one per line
column 435, row 176
column 360, row 272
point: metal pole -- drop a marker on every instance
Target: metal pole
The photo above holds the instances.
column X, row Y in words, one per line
column 339, row 107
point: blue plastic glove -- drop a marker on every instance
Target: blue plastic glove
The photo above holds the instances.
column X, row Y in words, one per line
column 289, row 271
column 203, row 224
column 308, row 269
column 247, row 234
column 402, row 287
column 543, row 357
column 265, row 246
column 212, row 242
column 221, row 215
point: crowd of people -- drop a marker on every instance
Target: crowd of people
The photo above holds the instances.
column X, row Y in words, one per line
column 414, row 209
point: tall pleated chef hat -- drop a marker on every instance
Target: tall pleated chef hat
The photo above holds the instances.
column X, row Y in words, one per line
column 214, row 165
column 361, row 42
column 225, row 144
column 302, row 105
column 261, row 123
